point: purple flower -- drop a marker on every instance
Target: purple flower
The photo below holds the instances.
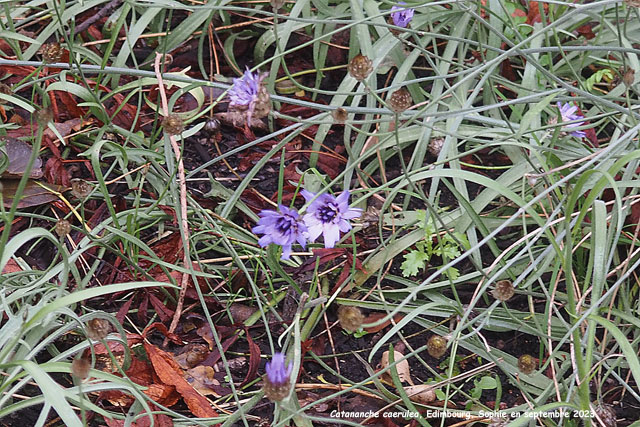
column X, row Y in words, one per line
column 245, row 89
column 328, row 215
column 568, row 113
column 277, row 373
column 283, row 228
column 401, row 16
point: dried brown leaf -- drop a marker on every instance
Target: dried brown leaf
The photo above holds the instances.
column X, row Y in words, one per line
column 170, row 373
column 402, row 367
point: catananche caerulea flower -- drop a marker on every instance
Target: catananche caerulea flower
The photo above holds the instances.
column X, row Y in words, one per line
column 276, row 384
column 245, row 89
column 568, row 113
column 401, row 15
column 328, row 215
column 281, row 227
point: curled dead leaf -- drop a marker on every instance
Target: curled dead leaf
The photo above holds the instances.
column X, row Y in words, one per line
column 202, row 379
column 402, row 367
column 421, row 393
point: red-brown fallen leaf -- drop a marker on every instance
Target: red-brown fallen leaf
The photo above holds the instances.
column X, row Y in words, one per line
column 56, row 173
column 116, row 346
column 159, row 420
column 11, row 267
column 534, row 12
column 170, row 373
column 163, row 329
column 254, row 359
column 586, row 31
column 374, row 317
column 64, row 129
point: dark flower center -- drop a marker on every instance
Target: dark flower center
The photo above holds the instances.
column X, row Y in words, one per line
column 285, row 224
column 328, row 212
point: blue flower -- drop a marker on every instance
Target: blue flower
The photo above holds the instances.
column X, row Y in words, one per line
column 277, row 373
column 283, row 228
column 245, row 89
column 328, row 215
column 401, row 16
column 568, row 113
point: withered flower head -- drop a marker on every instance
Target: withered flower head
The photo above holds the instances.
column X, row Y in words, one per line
column 173, row 124
column 400, row 100
column 527, row 363
column 340, row 115
column 249, row 93
column 51, row 53
column 63, row 227
column 629, row 77
column 435, row 146
column 360, row 67
column 503, row 290
column 212, row 125
column 5, row 90
column 44, row 116
column 98, row 328
column 80, row 188
column 350, row 318
column 80, row 368
column 436, row 346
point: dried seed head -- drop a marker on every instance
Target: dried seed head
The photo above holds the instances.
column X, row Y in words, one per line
column 400, row 100
column 173, row 124
column 350, row 317
column 607, row 415
column 629, row 77
column 340, row 115
column 262, row 103
column 63, row 227
column 80, row 188
column 360, row 67
column 80, row 368
column 44, row 116
column 435, row 146
column 527, row 363
column 51, row 53
column 5, row 90
column 277, row 4
column 98, row 328
column 503, row 290
column 436, row 346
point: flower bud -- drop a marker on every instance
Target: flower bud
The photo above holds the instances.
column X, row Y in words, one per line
column 607, row 415
column 503, row 290
column 173, row 124
column 51, row 53
column 435, row 146
column 276, row 382
column 212, row 125
column 400, row 100
column 80, row 368
column 436, row 346
column 340, row 115
column 277, row 4
column 98, row 328
column 527, row 364
column 350, row 318
column 63, row 227
column 80, row 188
column 360, row 67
